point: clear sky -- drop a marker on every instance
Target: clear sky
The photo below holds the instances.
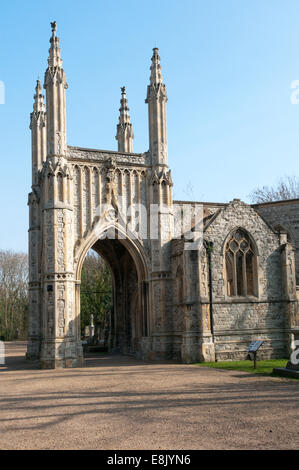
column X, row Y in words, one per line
column 228, row 66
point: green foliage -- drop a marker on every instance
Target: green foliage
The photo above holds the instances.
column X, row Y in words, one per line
column 13, row 295
column 263, row 367
column 96, row 298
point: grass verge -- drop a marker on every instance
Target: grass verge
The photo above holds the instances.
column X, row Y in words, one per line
column 263, row 367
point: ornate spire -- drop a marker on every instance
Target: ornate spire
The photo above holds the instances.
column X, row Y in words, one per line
column 54, row 60
column 124, row 117
column 157, row 99
column 38, row 127
column 156, row 76
column 54, row 51
column 38, row 105
column 124, row 134
column 55, row 85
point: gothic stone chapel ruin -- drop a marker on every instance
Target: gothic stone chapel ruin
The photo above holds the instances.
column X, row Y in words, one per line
column 169, row 302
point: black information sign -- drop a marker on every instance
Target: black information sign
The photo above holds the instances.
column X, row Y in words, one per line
column 254, row 346
column 252, row 351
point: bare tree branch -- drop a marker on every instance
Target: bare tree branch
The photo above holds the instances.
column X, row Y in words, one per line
column 287, row 188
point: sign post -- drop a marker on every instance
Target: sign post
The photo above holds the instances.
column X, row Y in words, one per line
column 252, row 351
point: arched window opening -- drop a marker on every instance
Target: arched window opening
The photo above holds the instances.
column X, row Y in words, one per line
column 240, row 263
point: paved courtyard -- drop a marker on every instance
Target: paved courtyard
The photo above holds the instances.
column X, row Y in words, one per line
column 116, row 402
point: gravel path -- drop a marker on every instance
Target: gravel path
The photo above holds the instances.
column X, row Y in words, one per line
column 116, row 402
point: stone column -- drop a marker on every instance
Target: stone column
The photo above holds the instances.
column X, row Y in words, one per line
column 61, row 345
column 39, row 145
column 161, row 214
column 33, row 348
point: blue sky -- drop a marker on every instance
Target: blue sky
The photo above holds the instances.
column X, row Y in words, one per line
column 228, row 66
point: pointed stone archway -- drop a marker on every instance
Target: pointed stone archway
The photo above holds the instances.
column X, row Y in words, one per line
column 129, row 322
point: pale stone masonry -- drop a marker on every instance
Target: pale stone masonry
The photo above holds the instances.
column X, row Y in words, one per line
column 283, row 216
column 124, row 134
column 169, row 302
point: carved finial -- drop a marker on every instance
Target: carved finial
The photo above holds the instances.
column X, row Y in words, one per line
column 124, row 109
column 156, row 76
column 124, row 133
column 54, row 27
column 54, row 59
column 38, row 114
column 38, row 97
column 38, row 86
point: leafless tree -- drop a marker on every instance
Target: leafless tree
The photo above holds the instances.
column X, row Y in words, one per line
column 189, row 191
column 13, row 295
column 287, row 188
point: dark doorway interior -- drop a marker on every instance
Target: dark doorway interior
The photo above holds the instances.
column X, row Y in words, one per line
column 114, row 297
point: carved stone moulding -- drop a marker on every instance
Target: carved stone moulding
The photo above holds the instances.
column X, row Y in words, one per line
column 161, row 177
column 59, row 277
column 80, row 154
column 34, row 285
column 56, row 164
column 161, row 275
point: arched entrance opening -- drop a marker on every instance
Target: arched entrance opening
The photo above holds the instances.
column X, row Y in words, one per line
column 95, row 301
column 127, row 316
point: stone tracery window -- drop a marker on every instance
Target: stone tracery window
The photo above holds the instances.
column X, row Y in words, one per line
column 240, row 261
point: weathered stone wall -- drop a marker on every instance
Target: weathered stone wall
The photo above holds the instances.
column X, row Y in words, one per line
column 178, row 296
column 286, row 215
column 101, row 178
column 34, row 275
column 238, row 321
